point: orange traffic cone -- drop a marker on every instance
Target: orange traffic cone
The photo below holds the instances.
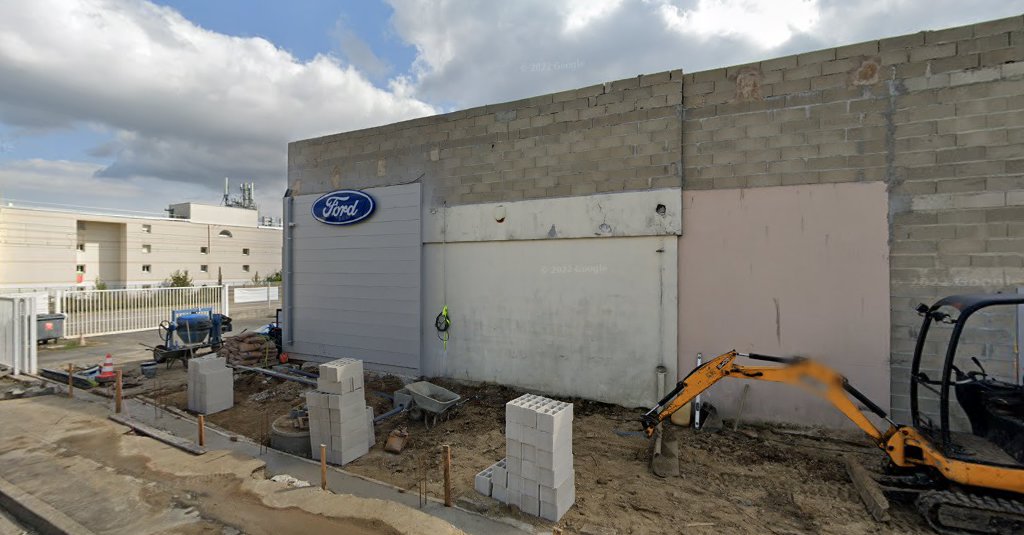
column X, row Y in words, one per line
column 107, row 370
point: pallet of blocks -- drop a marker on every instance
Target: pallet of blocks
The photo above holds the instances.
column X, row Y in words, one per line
column 338, row 415
column 537, row 473
column 211, row 385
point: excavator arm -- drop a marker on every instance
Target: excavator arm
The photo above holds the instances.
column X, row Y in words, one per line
column 808, row 374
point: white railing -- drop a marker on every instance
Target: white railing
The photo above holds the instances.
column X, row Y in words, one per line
column 98, row 312
column 255, row 301
column 18, row 334
column 259, row 294
column 41, row 299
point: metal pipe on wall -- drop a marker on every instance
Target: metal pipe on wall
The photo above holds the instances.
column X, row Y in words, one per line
column 661, row 372
column 286, row 271
column 696, row 400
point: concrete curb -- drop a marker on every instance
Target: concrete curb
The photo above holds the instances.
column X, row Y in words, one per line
column 36, row 513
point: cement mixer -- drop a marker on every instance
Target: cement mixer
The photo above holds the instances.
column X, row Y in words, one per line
column 189, row 333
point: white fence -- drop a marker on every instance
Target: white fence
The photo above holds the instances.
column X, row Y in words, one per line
column 98, row 312
column 18, row 334
column 41, row 300
column 256, row 295
column 254, row 302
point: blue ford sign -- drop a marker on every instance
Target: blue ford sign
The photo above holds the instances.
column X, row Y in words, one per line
column 343, row 207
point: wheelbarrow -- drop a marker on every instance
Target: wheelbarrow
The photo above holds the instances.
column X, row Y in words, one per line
column 428, row 402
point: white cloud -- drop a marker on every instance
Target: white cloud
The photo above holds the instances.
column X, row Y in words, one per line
column 188, row 104
column 358, row 52
column 38, row 175
column 580, row 13
column 75, row 184
column 472, row 53
column 766, row 24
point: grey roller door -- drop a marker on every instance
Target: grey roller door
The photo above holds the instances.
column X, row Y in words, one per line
column 354, row 290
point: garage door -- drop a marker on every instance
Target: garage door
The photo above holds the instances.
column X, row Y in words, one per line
column 354, row 290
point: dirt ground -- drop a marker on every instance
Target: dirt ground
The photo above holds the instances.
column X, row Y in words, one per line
column 760, row 479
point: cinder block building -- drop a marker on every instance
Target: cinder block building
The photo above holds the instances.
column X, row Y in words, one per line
column 583, row 240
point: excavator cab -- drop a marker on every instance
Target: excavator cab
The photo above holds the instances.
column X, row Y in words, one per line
column 986, row 426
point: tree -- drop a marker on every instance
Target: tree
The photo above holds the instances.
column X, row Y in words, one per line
column 274, row 277
column 179, row 279
column 100, row 284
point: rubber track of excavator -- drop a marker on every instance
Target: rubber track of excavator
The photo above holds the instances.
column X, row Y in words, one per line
column 960, row 513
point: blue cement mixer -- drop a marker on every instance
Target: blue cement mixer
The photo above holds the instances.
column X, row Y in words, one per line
column 188, row 333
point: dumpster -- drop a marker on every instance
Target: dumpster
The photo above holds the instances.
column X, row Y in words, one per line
column 49, row 327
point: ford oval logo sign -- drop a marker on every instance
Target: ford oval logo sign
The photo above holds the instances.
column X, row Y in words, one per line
column 343, row 207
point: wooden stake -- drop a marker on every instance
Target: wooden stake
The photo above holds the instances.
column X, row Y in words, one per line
column 117, row 393
column 422, row 483
column 447, row 452
column 71, row 381
column 266, row 433
column 323, row 466
column 202, row 430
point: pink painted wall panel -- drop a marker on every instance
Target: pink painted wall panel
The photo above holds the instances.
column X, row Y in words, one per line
column 793, row 270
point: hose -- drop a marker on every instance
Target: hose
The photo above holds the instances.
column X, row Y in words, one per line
column 397, row 410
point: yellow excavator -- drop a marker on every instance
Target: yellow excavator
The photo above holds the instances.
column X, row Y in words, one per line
column 961, row 482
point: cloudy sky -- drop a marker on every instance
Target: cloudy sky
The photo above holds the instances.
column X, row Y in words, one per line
column 131, row 104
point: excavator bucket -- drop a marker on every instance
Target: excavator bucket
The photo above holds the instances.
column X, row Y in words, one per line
column 664, row 454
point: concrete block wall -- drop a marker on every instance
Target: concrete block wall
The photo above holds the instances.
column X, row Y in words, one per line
column 338, row 415
column 616, row 136
column 537, row 473
column 938, row 116
column 211, row 385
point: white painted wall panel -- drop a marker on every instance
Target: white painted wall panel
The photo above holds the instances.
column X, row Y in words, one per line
column 575, row 317
column 632, row 213
column 355, row 289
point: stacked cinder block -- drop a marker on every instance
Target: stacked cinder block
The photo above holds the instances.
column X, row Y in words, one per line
column 338, row 415
column 211, row 386
column 537, row 473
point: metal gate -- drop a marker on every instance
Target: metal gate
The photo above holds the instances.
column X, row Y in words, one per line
column 18, row 334
column 99, row 312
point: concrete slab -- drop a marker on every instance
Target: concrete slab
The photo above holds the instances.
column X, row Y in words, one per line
column 126, row 484
column 38, row 514
column 338, row 480
column 10, row 525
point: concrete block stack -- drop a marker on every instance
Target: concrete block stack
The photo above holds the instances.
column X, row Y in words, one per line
column 211, row 385
column 537, row 473
column 338, row 415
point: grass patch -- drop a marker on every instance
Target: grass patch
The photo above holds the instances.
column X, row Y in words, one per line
column 66, row 343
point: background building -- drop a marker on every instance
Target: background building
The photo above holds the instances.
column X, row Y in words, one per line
column 583, row 239
column 51, row 248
